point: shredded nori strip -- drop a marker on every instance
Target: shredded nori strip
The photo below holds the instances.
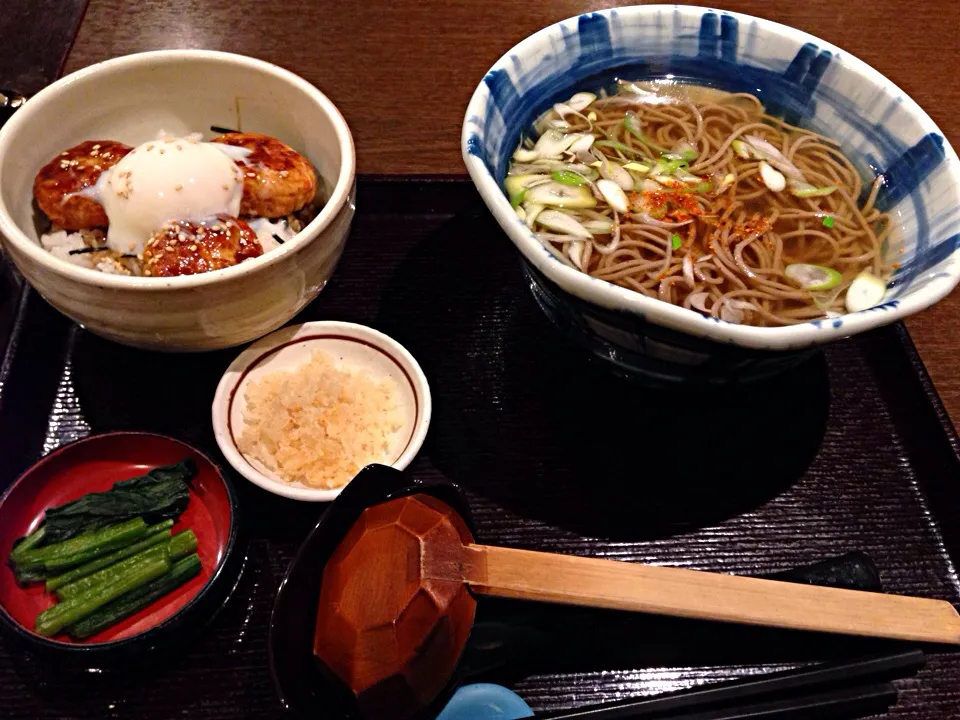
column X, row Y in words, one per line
column 82, row 251
column 162, row 493
column 278, row 238
column 222, row 130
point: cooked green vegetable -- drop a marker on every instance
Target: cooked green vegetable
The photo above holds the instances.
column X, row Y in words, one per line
column 828, row 221
column 180, row 545
column 135, row 600
column 51, row 621
column 159, row 533
column 83, row 548
column 21, row 545
column 160, row 494
column 675, row 241
column 25, row 576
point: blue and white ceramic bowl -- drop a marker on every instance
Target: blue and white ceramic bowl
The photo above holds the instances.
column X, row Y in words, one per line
column 807, row 81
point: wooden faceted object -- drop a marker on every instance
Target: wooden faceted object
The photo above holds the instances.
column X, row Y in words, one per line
column 392, row 635
column 394, row 611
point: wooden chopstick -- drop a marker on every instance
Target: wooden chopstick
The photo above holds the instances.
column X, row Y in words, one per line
column 790, row 688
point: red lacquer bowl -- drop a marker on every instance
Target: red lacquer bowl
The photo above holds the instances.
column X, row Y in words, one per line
column 94, row 464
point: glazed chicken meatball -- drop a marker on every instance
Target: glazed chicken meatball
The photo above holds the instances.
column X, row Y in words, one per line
column 70, row 172
column 277, row 180
column 186, row 248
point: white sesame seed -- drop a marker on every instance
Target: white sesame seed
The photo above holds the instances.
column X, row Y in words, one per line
column 178, row 187
column 97, row 146
column 193, row 248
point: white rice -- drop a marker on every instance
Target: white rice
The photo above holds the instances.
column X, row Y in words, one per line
column 61, row 242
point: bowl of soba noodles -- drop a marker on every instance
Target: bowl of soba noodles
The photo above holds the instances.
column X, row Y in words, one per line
column 707, row 196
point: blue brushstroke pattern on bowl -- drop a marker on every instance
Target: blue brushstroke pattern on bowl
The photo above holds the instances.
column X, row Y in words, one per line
column 804, row 80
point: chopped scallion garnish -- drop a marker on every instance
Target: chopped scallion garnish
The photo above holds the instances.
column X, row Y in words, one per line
column 568, row 177
column 813, row 277
column 676, row 241
column 828, row 221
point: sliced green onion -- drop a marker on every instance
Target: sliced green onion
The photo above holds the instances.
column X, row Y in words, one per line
column 617, row 145
column 632, row 123
column 865, row 291
column 772, row 178
column 614, row 195
column 676, row 241
column 515, row 183
column 666, row 166
column 517, row 198
column 553, row 142
column 703, row 187
column 560, row 195
column 688, row 177
column 726, row 181
column 828, row 221
column 683, row 151
column 524, row 155
column 591, row 116
column 598, row 226
column 568, row 177
column 581, row 101
column 813, row 277
column 638, row 167
column 563, row 223
column 531, row 211
column 807, row 191
column 742, row 149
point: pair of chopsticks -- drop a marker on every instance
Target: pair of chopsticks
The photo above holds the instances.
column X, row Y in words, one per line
column 848, row 690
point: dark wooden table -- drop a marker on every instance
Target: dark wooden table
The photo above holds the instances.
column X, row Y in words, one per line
column 403, row 71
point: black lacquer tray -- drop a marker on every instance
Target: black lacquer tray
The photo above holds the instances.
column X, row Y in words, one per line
column 850, row 451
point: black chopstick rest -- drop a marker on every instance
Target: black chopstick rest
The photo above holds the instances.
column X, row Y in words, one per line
column 852, row 571
column 783, row 688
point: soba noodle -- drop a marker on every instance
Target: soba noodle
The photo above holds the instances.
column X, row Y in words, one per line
column 701, row 199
